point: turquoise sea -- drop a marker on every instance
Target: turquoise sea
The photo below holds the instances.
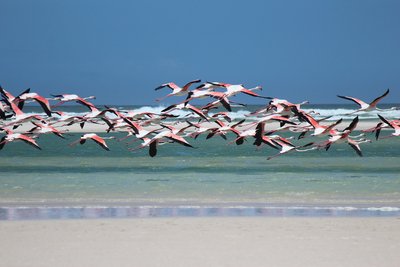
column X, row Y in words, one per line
column 213, row 179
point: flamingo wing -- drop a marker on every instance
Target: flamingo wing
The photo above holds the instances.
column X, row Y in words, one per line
column 153, row 148
column 44, row 103
column 100, row 141
column 84, row 102
column 29, row 141
column 186, row 86
column 169, row 85
column 355, row 100
column 178, row 139
column 197, row 111
column 249, row 92
column 2, row 142
column 356, row 147
column 386, row 121
column 379, row 98
column 352, row 125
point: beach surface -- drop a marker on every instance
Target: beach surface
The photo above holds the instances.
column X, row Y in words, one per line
column 202, row 242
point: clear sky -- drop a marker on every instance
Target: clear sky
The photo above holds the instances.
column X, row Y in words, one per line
column 121, row 50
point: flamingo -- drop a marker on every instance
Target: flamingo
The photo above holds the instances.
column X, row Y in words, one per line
column 198, row 94
column 222, row 100
column 21, row 117
column 182, row 106
column 395, row 124
column 287, row 147
column 176, row 130
column 174, row 137
column 137, row 130
column 135, row 114
column 117, row 124
column 319, row 129
column 225, row 115
column 72, row 97
column 257, row 133
column 3, row 110
column 8, row 97
column 152, row 144
column 281, row 119
column 43, row 128
column 227, row 104
column 208, row 86
column 157, row 139
column 377, row 129
column 344, row 137
column 11, row 136
column 99, row 140
column 44, row 103
column 233, row 89
column 261, row 138
column 367, row 107
column 96, row 113
column 176, row 90
column 201, row 128
column 223, row 129
column 64, row 117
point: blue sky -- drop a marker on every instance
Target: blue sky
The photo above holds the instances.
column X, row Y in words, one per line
column 121, row 50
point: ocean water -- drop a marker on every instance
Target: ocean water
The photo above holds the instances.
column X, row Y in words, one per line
column 215, row 178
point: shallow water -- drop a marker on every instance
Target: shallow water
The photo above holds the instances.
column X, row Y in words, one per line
column 213, row 174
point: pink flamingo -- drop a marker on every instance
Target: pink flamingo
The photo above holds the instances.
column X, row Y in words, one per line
column 10, row 137
column 367, row 107
column 176, row 90
column 99, row 140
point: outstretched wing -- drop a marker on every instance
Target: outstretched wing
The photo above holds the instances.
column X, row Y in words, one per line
column 379, row 98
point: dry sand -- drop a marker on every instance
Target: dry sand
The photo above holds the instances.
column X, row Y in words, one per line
column 202, row 242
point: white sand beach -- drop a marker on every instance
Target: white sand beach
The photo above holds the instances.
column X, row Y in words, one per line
column 203, row 241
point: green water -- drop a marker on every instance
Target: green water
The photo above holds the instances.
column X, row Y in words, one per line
column 213, row 172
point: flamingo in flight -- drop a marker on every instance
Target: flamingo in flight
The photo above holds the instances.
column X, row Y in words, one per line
column 99, row 140
column 319, row 129
column 157, row 139
column 65, row 118
column 287, row 147
column 395, row 124
column 8, row 97
column 344, row 137
column 11, row 136
column 72, row 97
column 222, row 99
column 223, row 129
column 182, row 106
column 176, row 90
column 367, row 107
column 257, row 133
column 44, row 103
column 2, row 111
column 21, row 117
column 208, row 86
column 233, row 89
column 44, row 128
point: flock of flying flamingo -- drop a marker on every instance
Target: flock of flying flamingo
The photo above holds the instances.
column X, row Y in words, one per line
column 163, row 128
